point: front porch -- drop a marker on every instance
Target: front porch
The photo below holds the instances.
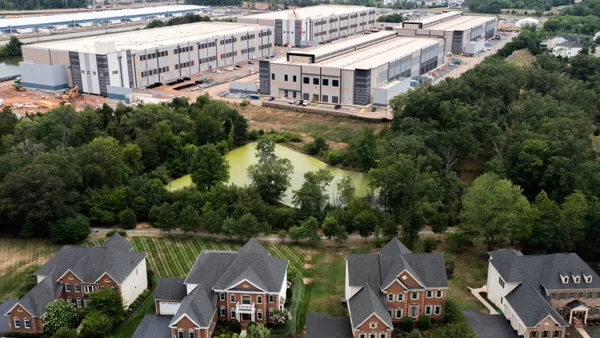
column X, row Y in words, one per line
column 577, row 313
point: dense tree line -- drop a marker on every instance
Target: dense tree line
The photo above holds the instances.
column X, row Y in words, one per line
column 394, row 17
column 586, row 25
column 12, row 48
column 584, row 8
column 181, row 20
column 496, row 6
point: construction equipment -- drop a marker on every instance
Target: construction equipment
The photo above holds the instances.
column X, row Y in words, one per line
column 17, row 86
column 72, row 93
column 64, row 102
column 47, row 104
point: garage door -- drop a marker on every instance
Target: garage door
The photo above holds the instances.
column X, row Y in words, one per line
column 168, row 308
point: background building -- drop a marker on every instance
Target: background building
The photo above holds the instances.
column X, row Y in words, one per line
column 348, row 72
column 141, row 58
column 307, row 26
column 30, row 24
column 462, row 33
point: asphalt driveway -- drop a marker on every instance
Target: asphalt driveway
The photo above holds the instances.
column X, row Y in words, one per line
column 489, row 326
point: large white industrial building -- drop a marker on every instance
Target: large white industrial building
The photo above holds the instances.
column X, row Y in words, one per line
column 462, row 33
column 29, row 24
column 308, row 26
column 352, row 71
column 101, row 64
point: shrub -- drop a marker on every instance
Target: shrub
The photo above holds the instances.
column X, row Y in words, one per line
column 279, row 318
column 407, row 324
column 335, row 157
column 64, row 332
column 234, row 326
column 153, row 213
column 244, row 103
column 128, row 219
column 253, row 135
column 114, row 231
column 318, row 146
column 107, row 302
column 429, row 244
column 452, row 311
column 70, row 230
column 449, row 260
column 136, row 303
column 461, row 329
column 414, row 334
column 457, row 241
column 59, row 313
column 424, row 323
column 96, row 325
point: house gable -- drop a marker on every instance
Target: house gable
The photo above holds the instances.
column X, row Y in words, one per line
column 365, row 326
column 395, row 287
column 16, row 309
column 184, row 322
column 547, row 322
column 245, row 285
column 106, row 278
column 69, row 277
column 408, row 279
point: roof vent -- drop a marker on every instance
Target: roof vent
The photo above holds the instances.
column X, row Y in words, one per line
column 576, row 278
column 587, row 278
column 564, row 278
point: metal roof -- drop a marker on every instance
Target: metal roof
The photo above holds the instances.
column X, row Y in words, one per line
column 63, row 19
column 461, row 23
column 311, row 12
column 434, row 18
column 333, row 48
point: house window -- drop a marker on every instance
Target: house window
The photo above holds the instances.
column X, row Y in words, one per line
column 501, row 282
column 246, row 300
column 391, row 313
column 335, row 83
column 16, row 323
column 192, row 334
column 390, row 297
column 26, row 323
column 325, row 98
column 271, row 299
column 400, row 297
column 545, row 334
column 533, row 334
column 70, row 277
column 556, row 334
column 590, row 295
column 67, row 287
column 259, row 315
column 334, row 99
column 597, row 310
column 232, row 298
column 325, row 82
column 414, row 295
column 70, row 300
column 285, row 93
column 437, row 310
column 305, row 96
column 273, row 76
column 316, row 81
column 285, row 77
column 373, row 325
column 77, row 288
column 78, row 301
column 223, row 312
column 383, row 335
column 398, row 313
column 232, row 314
column 90, row 288
column 429, row 294
column 294, row 78
column 222, row 296
column 259, row 299
column 428, row 310
column 414, row 311
column 306, row 80
column 561, row 295
column 439, row 294
column 363, row 335
column 180, row 334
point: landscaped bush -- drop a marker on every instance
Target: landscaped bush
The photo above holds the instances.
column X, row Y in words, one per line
column 244, row 103
column 285, row 137
column 335, row 157
column 279, row 318
column 424, row 323
column 136, row 303
column 452, row 312
column 407, row 324
column 429, row 244
column 114, row 231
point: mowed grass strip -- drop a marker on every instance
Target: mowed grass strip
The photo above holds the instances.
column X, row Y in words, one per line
column 328, row 283
column 470, row 271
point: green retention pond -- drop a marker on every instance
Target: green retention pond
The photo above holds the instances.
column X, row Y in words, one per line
column 241, row 158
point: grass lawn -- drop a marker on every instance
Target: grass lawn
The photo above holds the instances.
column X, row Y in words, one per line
column 470, row 271
column 521, row 57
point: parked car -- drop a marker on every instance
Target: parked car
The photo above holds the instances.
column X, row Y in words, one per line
column 250, row 62
column 292, row 101
column 271, row 98
column 216, row 71
column 299, row 102
column 238, row 66
column 338, row 106
column 229, row 69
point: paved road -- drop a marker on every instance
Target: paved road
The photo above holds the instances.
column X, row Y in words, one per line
column 270, row 238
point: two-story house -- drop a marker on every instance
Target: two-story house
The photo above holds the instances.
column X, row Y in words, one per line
column 541, row 295
column 246, row 285
column 74, row 273
column 385, row 287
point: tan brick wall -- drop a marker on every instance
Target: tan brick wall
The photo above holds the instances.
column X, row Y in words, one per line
column 186, row 325
column 546, row 325
column 581, row 295
column 422, row 301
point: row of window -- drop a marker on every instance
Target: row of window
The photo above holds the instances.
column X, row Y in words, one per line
column 183, row 49
column 320, row 33
column 77, row 288
column 245, row 299
column 261, row 34
column 75, row 301
column 324, row 98
column 259, row 313
column 181, row 334
column 206, row 45
column 228, row 55
column 267, row 46
column 153, row 55
column 545, row 334
column 228, row 41
column 17, row 323
column 573, row 295
column 208, row 59
column 185, row 64
column 414, row 311
column 147, row 73
column 415, row 295
column 248, row 37
column 372, row 335
column 248, row 50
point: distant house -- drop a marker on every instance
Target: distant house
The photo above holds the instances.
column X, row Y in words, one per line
column 385, row 287
column 73, row 274
column 246, row 285
column 541, row 295
column 565, row 46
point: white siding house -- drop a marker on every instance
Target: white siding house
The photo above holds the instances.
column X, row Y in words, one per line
column 134, row 284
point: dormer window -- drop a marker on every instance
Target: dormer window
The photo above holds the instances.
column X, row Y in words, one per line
column 587, row 278
column 564, row 279
column 576, row 279
column 373, row 325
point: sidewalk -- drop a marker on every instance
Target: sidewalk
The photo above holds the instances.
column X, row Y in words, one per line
column 476, row 293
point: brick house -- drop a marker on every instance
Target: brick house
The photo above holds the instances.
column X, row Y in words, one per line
column 73, row 274
column 385, row 287
column 245, row 285
column 541, row 295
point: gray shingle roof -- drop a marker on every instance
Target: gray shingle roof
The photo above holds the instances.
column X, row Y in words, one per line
column 394, row 247
column 320, row 325
column 531, row 306
column 118, row 243
column 199, row 305
column 40, row 295
column 4, row 308
column 363, row 270
column 366, row 303
column 544, row 269
column 253, row 246
column 170, row 289
column 154, row 326
column 267, row 272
